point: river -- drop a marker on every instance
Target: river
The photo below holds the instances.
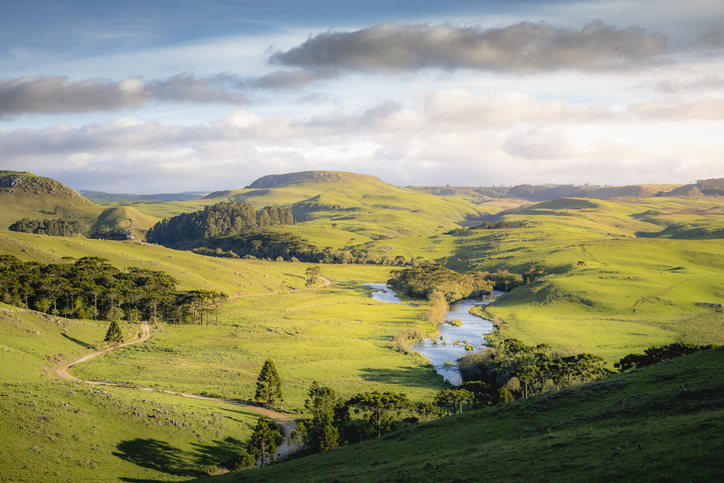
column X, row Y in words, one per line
column 442, row 349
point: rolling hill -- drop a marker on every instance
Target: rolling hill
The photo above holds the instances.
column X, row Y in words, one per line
column 23, row 194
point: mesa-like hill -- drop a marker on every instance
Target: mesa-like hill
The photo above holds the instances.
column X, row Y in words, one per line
column 359, row 204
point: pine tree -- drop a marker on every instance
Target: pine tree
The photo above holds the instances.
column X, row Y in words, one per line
column 264, row 442
column 268, row 385
column 114, row 334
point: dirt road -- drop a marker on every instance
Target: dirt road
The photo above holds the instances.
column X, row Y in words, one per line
column 283, row 420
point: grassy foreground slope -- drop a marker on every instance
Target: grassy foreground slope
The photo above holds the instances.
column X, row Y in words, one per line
column 661, row 423
column 55, row 430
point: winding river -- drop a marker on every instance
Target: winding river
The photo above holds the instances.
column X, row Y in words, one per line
column 442, row 349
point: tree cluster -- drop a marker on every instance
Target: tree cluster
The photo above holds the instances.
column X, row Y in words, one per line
column 655, row 354
column 424, row 279
column 501, row 225
column 223, row 219
column 48, row 227
column 92, row 288
column 526, row 370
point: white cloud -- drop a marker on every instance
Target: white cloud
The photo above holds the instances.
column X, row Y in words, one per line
column 457, row 131
column 523, row 48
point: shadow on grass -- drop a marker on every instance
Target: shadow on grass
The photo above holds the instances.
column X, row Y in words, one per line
column 79, row 342
column 412, row 377
column 162, row 457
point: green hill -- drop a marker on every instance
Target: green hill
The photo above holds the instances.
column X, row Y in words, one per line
column 24, row 195
column 361, row 205
column 660, row 423
column 125, row 221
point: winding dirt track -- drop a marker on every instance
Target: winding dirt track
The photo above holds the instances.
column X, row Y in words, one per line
column 282, row 419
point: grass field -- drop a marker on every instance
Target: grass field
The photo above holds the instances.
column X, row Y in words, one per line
column 661, row 423
column 621, row 275
column 55, row 430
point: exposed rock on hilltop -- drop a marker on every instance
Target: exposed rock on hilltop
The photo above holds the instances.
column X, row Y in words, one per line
column 706, row 187
column 24, row 194
column 275, row 180
column 25, row 183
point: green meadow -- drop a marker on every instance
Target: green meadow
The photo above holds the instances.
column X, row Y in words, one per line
column 55, row 430
column 620, row 275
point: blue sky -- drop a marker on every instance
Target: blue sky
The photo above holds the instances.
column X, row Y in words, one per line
column 183, row 95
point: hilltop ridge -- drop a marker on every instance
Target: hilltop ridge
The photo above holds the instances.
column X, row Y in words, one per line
column 276, row 180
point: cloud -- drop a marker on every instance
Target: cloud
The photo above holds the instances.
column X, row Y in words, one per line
column 522, row 48
column 712, row 41
column 58, row 94
column 291, row 79
column 446, row 133
column 708, row 83
column 673, row 110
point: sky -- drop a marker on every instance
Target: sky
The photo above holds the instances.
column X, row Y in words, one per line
column 178, row 95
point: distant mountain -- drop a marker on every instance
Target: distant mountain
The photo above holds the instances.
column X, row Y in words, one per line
column 185, row 196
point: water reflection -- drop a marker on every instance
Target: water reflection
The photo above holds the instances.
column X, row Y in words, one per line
column 442, row 349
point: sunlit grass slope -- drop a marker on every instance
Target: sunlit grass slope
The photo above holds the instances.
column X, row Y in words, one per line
column 55, row 430
column 337, row 335
column 25, row 195
column 660, row 423
column 360, row 204
column 606, row 291
column 124, row 218
column 192, row 271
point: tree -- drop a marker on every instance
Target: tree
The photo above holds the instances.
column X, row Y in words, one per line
column 114, row 334
column 328, row 438
column 312, row 275
column 268, row 384
column 380, row 406
column 321, row 403
column 428, row 410
column 264, row 441
column 323, row 435
column 298, row 437
column 453, row 398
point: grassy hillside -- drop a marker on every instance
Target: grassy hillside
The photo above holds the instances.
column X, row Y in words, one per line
column 661, row 423
column 23, row 194
column 55, row 430
column 125, row 219
column 306, row 331
column 359, row 204
column 626, row 293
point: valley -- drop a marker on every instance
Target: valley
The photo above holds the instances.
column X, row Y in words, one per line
column 603, row 271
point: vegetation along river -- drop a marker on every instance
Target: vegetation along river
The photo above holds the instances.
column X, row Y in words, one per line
column 442, row 349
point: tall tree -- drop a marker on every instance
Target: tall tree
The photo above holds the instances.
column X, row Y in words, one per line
column 268, row 384
column 264, row 441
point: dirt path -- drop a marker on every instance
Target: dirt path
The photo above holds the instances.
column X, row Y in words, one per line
column 283, row 420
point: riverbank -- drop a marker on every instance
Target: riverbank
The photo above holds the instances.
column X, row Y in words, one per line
column 444, row 349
